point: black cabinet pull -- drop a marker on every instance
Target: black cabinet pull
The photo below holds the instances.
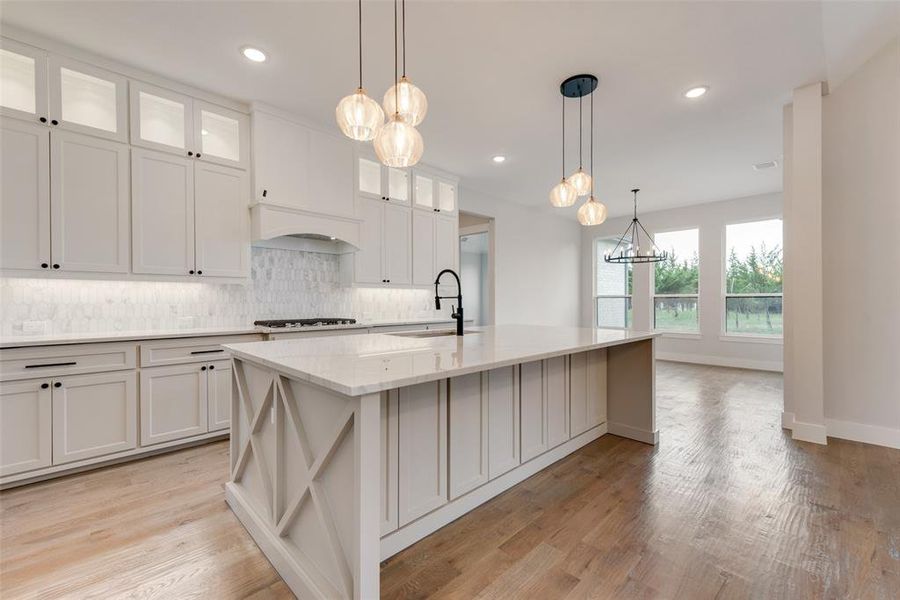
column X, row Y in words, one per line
column 199, row 272
column 211, row 367
column 62, row 364
column 54, row 122
column 190, row 153
column 44, row 386
column 208, row 351
column 203, row 368
column 198, row 155
column 191, row 272
column 55, row 266
column 43, row 119
column 44, row 265
column 57, row 385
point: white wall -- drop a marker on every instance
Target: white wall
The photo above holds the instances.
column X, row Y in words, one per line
column 711, row 218
column 536, row 262
column 860, row 225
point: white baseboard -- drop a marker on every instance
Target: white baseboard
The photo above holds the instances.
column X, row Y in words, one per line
column 787, row 420
column 723, row 361
column 641, row 435
column 860, row 432
column 809, row 432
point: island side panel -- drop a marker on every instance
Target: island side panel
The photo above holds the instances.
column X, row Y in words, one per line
column 631, row 391
column 306, row 460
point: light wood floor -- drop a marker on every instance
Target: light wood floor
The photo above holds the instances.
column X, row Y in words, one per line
column 727, row 506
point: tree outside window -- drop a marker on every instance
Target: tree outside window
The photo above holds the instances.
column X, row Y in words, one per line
column 677, row 282
column 754, row 272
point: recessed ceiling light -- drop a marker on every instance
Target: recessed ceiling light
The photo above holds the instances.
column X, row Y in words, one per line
column 499, row 158
column 696, row 92
column 254, row 54
column 204, row 132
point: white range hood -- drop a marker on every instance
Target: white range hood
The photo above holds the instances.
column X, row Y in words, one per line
column 293, row 228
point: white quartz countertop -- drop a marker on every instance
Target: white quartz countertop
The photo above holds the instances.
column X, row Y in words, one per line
column 52, row 339
column 362, row 364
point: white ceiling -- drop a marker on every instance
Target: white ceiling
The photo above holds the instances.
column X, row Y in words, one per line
column 491, row 72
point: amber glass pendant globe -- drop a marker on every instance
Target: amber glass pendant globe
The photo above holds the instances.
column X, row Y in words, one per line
column 581, row 181
column 592, row 212
column 563, row 194
column 407, row 100
column 398, row 144
column 359, row 116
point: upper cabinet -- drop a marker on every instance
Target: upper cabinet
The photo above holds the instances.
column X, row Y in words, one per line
column 86, row 99
column 434, row 193
column 378, row 182
column 23, row 81
column 446, row 196
column 165, row 120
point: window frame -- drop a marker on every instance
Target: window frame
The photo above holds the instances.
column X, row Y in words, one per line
column 686, row 333
column 596, row 297
column 724, row 334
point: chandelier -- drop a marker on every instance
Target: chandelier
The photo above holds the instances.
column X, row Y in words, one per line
column 628, row 249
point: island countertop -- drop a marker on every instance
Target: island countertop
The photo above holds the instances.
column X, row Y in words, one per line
column 364, row 364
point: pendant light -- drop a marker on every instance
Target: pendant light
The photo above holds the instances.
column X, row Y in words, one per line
column 580, row 180
column 563, row 193
column 359, row 116
column 403, row 97
column 398, row 144
column 628, row 249
column 592, row 212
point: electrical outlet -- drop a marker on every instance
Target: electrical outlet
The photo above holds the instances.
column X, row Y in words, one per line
column 33, row 326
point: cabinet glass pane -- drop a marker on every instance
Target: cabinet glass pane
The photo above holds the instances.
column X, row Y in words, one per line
column 369, row 177
column 162, row 120
column 220, row 135
column 87, row 100
column 17, row 81
column 424, row 191
column 447, row 196
column 398, row 184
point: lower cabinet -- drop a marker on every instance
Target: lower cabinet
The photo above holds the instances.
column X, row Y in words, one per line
column 503, row 420
column 422, row 437
column 93, row 415
column 218, row 392
column 25, row 426
column 469, row 425
column 587, row 381
column 534, row 410
column 389, row 465
column 557, row 389
column 174, row 402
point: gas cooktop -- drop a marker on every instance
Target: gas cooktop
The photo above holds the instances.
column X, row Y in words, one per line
column 294, row 323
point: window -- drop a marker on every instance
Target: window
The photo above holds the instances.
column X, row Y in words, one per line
column 612, row 296
column 677, row 282
column 753, row 278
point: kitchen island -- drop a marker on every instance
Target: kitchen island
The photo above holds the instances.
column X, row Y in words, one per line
column 345, row 450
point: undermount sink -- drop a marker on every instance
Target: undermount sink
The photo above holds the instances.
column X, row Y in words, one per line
column 430, row 334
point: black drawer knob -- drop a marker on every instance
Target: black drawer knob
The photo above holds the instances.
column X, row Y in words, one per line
column 43, row 119
column 55, row 266
column 57, row 385
column 199, row 272
column 203, row 368
column 211, row 367
column 198, row 155
column 191, row 272
column 190, row 153
column 44, row 265
column 44, row 386
column 54, row 122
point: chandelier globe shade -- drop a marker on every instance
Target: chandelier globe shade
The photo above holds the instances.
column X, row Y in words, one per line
column 581, row 181
column 359, row 116
column 398, row 144
column 563, row 194
column 592, row 212
column 407, row 100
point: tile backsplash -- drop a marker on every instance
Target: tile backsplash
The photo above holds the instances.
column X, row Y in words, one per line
column 284, row 284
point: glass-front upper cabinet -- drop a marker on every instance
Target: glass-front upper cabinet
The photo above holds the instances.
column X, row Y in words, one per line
column 87, row 99
column 446, row 192
column 221, row 135
column 398, row 185
column 381, row 183
column 23, row 81
column 161, row 119
column 423, row 191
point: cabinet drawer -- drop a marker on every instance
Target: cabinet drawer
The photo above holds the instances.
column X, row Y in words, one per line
column 180, row 351
column 52, row 361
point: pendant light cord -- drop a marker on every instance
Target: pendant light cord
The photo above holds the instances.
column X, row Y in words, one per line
column 580, row 132
column 404, row 38
column 396, row 80
column 360, row 44
column 563, row 136
column 592, row 144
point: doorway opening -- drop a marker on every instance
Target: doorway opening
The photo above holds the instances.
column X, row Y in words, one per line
column 476, row 267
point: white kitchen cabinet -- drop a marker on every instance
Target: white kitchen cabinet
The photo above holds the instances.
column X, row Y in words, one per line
column 188, row 218
column 422, row 414
column 423, row 191
column 446, row 197
column 219, row 387
column 330, row 188
column 503, row 420
column 162, row 206
column 469, row 426
column 397, row 244
column 587, row 385
column 423, row 248
column 221, row 221
column 25, row 426
column 221, row 136
column 368, row 261
column 533, row 410
column 378, row 182
column 23, row 81
column 556, row 377
column 161, row 119
column 446, row 243
column 389, row 462
column 89, row 203
column 93, row 415
column 24, row 195
column 174, row 403
column 87, row 99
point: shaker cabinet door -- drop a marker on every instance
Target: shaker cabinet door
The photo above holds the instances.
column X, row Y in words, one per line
column 397, row 234
column 423, row 272
column 468, row 417
column 221, row 221
column 368, row 260
column 533, row 410
column 219, row 387
column 557, row 381
column 25, row 426
column 23, row 81
column 88, row 99
column 422, row 414
column 173, row 403
column 503, row 420
column 389, row 461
